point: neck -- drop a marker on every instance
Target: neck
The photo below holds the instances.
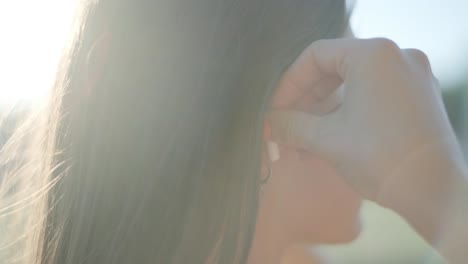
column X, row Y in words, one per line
column 302, row 254
column 266, row 249
column 269, row 244
column 272, row 245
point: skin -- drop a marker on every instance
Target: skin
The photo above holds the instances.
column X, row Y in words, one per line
column 304, row 202
column 416, row 168
column 302, row 254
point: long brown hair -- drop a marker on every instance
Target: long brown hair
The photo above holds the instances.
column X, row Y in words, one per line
column 158, row 162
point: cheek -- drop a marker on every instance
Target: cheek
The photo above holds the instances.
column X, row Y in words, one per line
column 308, row 181
column 328, row 192
column 312, row 196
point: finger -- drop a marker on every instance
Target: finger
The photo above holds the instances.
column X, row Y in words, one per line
column 320, row 60
column 319, row 104
column 295, row 129
column 330, row 103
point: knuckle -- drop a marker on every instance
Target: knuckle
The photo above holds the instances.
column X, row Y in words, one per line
column 378, row 52
column 420, row 57
column 384, row 46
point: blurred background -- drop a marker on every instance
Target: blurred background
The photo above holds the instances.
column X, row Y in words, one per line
column 34, row 32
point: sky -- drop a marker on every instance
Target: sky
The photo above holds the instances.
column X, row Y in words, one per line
column 439, row 28
column 33, row 33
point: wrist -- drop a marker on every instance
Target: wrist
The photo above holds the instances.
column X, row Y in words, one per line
column 425, row 185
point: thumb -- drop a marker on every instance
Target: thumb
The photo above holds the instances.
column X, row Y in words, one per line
column 300, row 130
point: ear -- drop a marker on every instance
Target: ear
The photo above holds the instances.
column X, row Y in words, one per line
column 96, row 60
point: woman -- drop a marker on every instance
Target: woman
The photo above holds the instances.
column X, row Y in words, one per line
column 153, row 145
column 157, row 124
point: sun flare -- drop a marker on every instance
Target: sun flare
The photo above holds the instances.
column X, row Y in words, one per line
column 32, row 36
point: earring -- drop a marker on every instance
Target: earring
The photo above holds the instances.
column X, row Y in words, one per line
column 270, row 172
column 273, row 155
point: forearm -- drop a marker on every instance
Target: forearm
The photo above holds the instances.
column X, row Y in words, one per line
column 430, row 190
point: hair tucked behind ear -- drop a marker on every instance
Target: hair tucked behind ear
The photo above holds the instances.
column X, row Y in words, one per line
column 158, row 161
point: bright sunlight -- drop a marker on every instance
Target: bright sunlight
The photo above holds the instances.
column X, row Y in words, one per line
column 32, row 36
column 34, row 32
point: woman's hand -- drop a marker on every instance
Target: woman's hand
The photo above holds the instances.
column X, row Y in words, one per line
column 389, row 136
column 391, row 109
